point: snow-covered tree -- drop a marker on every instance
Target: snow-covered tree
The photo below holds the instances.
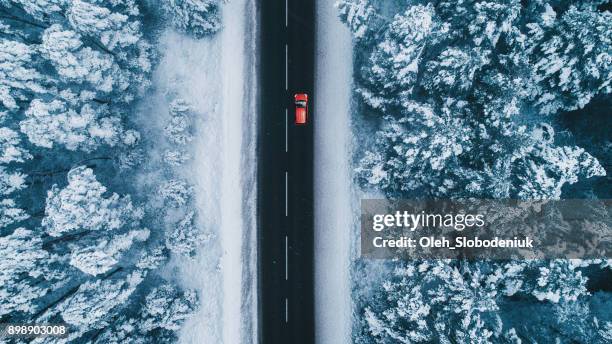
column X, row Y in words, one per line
column 39, row 9
column 95, row 303
column 182, row 235
column 77, row 63
column 10, row 213
column 106, row 227
column 10, row 182
column 446, row 301
column 436, row 301
column 391, row 74
column 360, row 16
column 406, row 321
column 452, row 72
column 571, row 56
column 11, row 149
column 185, row 237
column 152, row 258
column 543, row 172
column 195, row 17
column 176, row 158
column 125, row 330
column 178, row 129
column 12, row 179
column 559, row 280
column 115, row 31
column 488, row 20
column 82, row 206
column 96, row 256
column 26, row 272
column 19, row 78
column 54, row 122
column 416, row 151
column 175, row 192
column 166, row 308
column 477, row 57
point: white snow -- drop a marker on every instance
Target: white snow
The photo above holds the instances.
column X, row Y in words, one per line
column 215, row 75
column 234, row 36
column 334, row 217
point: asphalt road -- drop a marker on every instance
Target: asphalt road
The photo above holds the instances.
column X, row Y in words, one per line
column 285, row 196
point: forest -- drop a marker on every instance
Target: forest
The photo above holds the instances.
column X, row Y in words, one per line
column 504, row 99
column 82, row 241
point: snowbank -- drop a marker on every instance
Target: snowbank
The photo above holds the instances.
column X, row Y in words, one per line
column 334, row 204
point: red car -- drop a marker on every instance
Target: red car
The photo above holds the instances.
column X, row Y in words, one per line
column 301, row 108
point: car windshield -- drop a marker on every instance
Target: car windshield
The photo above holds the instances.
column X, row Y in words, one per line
column 300, row 103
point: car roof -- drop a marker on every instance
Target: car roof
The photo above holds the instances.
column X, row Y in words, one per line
column 301, row 96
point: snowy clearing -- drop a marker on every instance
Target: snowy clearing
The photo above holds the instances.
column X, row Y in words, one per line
column 334, row 218
column 211, row 74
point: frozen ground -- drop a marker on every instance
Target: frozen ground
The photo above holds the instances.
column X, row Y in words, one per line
column 217, row 76
column 335, row 204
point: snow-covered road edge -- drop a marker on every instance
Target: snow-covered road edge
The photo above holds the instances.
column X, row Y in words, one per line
column 334, row 219
column 249, row 166
column 238, row 224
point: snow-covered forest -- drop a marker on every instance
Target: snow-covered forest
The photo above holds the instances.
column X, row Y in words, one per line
column 484, row 99
column 86, row 227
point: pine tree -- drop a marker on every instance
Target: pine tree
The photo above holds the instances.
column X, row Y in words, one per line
column 81, row 206
column 543, row 171
column 178, row 129
column 176, row 158
column 105, row 227
column 360, row 16
column 26, row 272
column 94, row 303
column 393, row 67
column 559, row 281
column 10, row 213
column 175, row 192
column 166, row 308
column 11, row 149
column 436, row 301
column 185, row 237
column 195, row 17
column 416, row 151
column 19, row 78
column 571, row 59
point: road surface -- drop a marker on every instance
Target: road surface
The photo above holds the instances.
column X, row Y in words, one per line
column 285, row 206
